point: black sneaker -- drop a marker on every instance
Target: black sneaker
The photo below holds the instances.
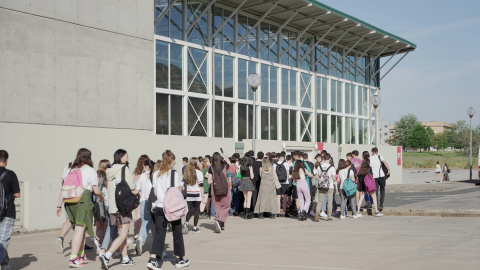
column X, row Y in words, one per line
column 88, row 247
column 153, row 264
column 130, row 262
column 182, row 263
column 104, row 261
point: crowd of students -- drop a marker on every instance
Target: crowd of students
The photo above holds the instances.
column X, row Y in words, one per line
column 273, row 185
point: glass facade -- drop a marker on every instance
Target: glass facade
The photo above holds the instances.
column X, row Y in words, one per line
column 309, row 92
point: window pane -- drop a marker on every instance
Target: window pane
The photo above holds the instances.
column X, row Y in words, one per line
column 333, row 129
column 273, row 44
column 197, row 71
column 273, row 84
column 264, row 85
column 285, row 87
column 305, row 127
column 292, row 54
column 284, row 45
column 218, row 119
column 242, row 121
column 333, row 95
column 293, row 126
column 197, row 126
column 161, row 59
column 217, row 22
column 265, row 124
column 339, row 96
column 252, row 68
column 347, row 98
column 339, row 130
column 264, row 36
column 162, row 114
column 305, row 45
column 360, row 131
column 252, row 38
column 324, row 127
column 250, row 121
column 218, row 75
column 161, row 27
column 228, row 119
column 242, row 30
column 293, row 88
column 285, row 125
column 228, row 76
column 305, row 92
column 242, row 79
column 176, row 115
column 228, row 32
column 176, row 21
column 273, row 124
column 176, row 78
column 352, row 99
column 198, row 34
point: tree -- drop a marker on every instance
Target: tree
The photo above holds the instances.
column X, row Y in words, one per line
column 440, row 141
column 403, row 128
column 431, row 135
column 418, row 138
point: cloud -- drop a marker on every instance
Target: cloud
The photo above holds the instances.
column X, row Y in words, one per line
column 443, row 28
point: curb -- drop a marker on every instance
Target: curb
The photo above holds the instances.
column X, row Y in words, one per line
column 432, row 212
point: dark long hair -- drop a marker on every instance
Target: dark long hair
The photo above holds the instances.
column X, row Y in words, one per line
column 117, row 156
column 245, row 164
column 296, row 169
column 218, row 163
column 365, row 167
column 84, row 157
column 140, row 163
column 341, row 165
column 151, row 165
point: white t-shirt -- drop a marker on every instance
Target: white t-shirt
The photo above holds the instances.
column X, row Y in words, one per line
column 331, row 172
column 194, row 193
column 437, row 168
column 287, row 168
column 162, row 184
column 89, row 177
column 144, row 186
column 375, row 164
column 343, row 175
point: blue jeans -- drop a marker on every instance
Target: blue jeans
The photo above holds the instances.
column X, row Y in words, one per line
column 111, row 234
column 6, row 229
column 334, row 203
column 236, row 199
column 146, row 221
column 212, row 209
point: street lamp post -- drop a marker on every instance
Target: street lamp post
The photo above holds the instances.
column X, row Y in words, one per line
column 471, row 112
column 254, row 81
column 375, row 100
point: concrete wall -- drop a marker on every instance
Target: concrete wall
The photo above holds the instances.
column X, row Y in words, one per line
column 80, row 63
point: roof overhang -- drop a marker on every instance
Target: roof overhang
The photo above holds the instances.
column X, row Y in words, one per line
column 319, row 19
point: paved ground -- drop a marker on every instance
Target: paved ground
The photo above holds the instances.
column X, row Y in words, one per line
column 389, row 242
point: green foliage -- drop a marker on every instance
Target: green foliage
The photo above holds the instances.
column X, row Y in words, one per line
column 418, row 138
column 455, row 160
column 440, row 141
column 403, row 128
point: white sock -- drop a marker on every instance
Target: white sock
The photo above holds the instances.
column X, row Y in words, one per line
column 108, row 255
column 126, row 259
column 194, row 227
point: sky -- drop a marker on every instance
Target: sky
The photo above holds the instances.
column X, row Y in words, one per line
column 440, row 80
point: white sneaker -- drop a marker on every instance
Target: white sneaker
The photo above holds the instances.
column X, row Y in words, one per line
column 356, row 216
column 322, row 214
column 138, row 246
column 342, row 217
column 60, row 245
column 185, row 228
column 379, row 214
column 218, row 229
column 97, row 245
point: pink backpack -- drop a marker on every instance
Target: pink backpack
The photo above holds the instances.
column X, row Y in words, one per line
column 369, row 183
column 72, row 189
column 173, row 203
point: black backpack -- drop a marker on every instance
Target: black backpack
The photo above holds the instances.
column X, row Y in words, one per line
column 3, row 198
column 281, row 172
column 124, row 198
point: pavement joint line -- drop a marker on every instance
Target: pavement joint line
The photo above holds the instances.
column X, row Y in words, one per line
column 278, row 265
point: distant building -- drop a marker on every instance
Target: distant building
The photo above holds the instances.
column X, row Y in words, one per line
column 384, row 130
column 438, row 127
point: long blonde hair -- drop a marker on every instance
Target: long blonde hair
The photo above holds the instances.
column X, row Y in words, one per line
column 205, row 163
column 190, row 174
column 166, row 165
column 101, row 172
column 266, row 164
column 157, row 165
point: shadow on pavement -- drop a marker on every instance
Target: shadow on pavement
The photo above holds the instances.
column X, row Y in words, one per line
column 22, row 262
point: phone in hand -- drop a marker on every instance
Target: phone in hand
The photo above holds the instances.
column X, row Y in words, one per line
column 221, row 150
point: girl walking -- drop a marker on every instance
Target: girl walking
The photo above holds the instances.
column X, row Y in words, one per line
column 205, row 204
column 102, row 229
column 345, row 172
column 194, row 184
column 303, row 193
column 137, row 174
column 246, row 184
column 267, row 201
column 365, row 170
column 161, row 183
column 221, row 203
column 144, row 186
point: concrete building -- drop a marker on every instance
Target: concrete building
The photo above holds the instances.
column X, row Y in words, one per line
column 438, row 127
column 150, row 75
column 384, row 132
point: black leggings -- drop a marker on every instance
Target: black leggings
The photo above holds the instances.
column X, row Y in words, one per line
column 193, row 209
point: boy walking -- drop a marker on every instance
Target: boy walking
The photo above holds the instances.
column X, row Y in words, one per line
column 11, row 187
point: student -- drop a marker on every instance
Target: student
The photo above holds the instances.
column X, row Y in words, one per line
column 81, row 214
column 143, row 187
column 326, row 168
column 298, row 174
column 102, row 226
column 184, row 162
column 349, row 155
column 267, row 201
column 221, row 203
column 292, row 190
column 438, row 170
column 12, row 190
column 364, row 170
column 285, row 185
column 246, row 184
column 344, row 172
column 256, row 165
column 194, row 184
column 137, row 173
column 205, row 205
column 66, row 226
column 161, row 183
column 235, row 193
column 114, row 177
column 380, row 178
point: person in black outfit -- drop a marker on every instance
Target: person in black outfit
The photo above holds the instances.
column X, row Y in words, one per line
column 256, row 165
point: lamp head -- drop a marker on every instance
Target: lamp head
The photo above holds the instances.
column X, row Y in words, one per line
column 471, row 112
column 375, row 100
column 254, row 81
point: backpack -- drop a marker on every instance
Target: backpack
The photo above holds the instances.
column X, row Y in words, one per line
column 281, row 172
column 349, row 186
column 173, row 203
column 324, row 180
column 124, row 198
column 220, row 183
column 383, row 168
column 3, row 198
column 72, row 188
column 369, row 182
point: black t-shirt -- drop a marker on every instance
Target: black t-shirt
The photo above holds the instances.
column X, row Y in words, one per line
column 11, row 186
column 256, row 165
